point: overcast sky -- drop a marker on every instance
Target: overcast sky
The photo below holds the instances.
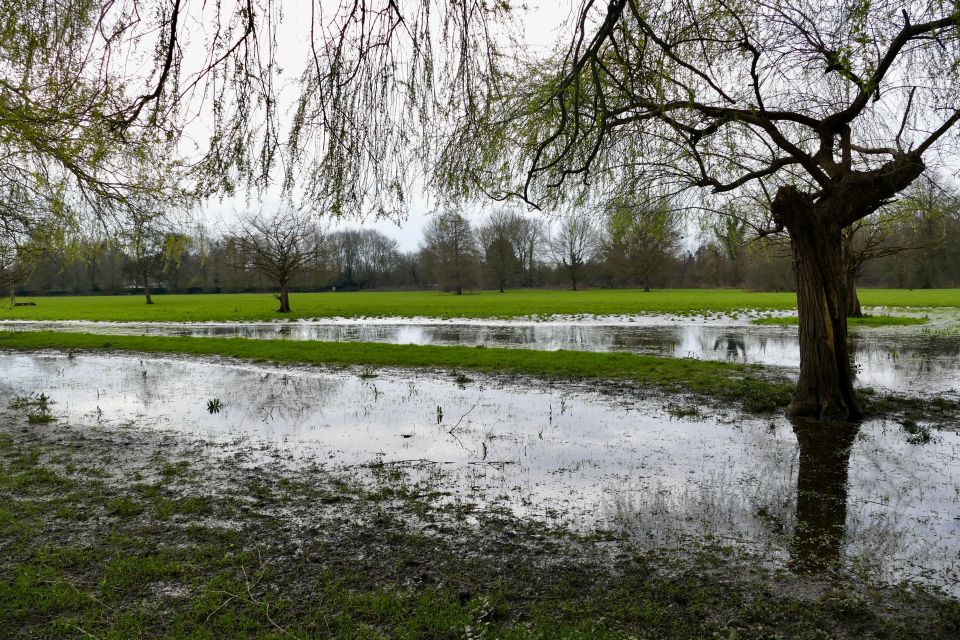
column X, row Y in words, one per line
column 540, row 25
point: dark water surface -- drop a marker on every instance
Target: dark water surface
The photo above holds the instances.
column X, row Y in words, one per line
column 912, row 359
column 796, row 494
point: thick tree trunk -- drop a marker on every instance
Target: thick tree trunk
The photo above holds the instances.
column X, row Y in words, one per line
column 573, row 281
column 853, row 301
column 821, row 493
column 284, row 298
column 501, row 286
column 850, row 260
column 146, row 287
column 459, row 289
column 825, row 387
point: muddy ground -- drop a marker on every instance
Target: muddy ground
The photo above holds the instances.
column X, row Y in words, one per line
column 124, row 533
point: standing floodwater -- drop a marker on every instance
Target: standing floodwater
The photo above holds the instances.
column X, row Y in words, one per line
column 880, row 498
column 910, row 359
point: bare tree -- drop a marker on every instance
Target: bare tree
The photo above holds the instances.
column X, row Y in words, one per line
column 360, row 257
column 530, row 242
column 145, row 237
column 644, row 230
column 449, row 250
column 500, row 236
column 574, row 245
column 281, row 245
column 17, row 263
column 915, row 222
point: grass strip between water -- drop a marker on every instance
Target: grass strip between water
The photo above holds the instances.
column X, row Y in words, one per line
column 865, row 321
column 755, row 388
column 758, row 388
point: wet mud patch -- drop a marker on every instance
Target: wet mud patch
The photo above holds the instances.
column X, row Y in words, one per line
column 119, row 532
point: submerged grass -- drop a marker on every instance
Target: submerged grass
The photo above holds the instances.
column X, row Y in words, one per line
column 481, row 304
column 865, row 321
column 98, row 543
column 756, row 387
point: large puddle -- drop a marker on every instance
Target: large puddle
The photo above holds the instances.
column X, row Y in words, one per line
column 794, row 494
column 911, row 359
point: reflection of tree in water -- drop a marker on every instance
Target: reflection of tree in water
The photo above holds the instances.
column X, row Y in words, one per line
column 854, row 348
column 269, row 397
column 821, row 492
column 651, row 340
column 144, row 379
column 733, row 344
column 903, row 361
column 285, row 399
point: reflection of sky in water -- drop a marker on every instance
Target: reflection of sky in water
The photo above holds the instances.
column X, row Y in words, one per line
column 577, row 457
column 896, row 358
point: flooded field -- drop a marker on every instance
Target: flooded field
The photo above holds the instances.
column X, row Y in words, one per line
column 886, row 499
column 908, row 359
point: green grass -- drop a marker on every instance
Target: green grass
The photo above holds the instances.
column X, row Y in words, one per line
column 753, row 385
column 865, row 321
column 237, row 307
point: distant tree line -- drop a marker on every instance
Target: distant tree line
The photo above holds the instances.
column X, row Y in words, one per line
column 626, row 244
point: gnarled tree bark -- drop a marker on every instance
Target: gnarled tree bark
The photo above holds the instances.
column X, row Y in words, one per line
column 825, row 389
column 815, row 223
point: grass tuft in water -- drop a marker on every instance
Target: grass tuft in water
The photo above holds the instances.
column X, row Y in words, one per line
column 36, row 406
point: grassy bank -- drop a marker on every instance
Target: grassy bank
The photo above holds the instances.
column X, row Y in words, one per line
column 865, row 321
column 117, row 534
column 239, row 307
column 756, row 388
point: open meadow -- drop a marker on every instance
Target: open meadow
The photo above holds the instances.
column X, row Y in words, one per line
column 406, row 304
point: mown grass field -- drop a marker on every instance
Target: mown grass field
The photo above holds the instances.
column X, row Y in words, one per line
column 240, row 307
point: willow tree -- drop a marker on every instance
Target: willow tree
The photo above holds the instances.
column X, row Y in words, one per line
column 93, row 92
column 89, row 89
column 831, row 108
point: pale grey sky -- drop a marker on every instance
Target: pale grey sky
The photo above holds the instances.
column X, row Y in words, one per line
column 540, row 27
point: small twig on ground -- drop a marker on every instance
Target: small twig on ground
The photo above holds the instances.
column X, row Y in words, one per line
column 453, row 428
